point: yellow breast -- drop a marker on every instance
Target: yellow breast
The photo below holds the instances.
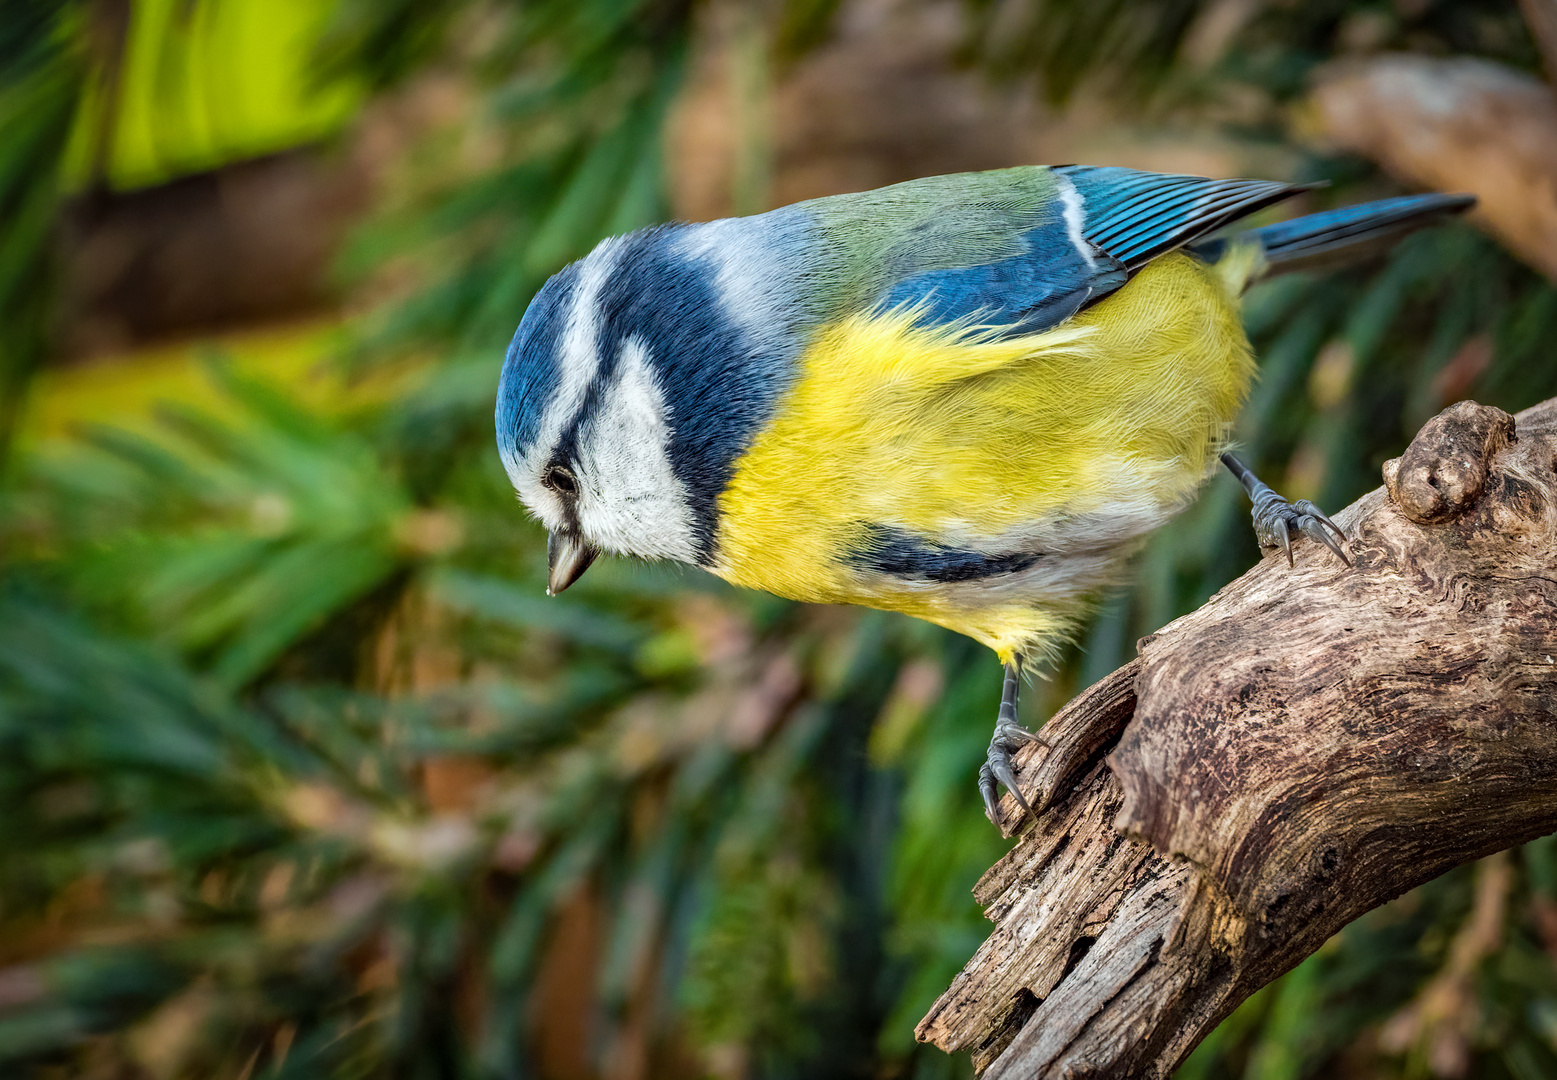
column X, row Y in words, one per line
column 1073, row 442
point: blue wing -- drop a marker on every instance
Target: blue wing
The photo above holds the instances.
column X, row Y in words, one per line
column 1106, row 224
column 1024, row 294
column 1137, row 216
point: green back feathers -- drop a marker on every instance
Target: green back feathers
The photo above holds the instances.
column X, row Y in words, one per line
column 874, row 240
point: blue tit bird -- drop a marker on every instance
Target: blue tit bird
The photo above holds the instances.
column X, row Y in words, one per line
column 967, row 398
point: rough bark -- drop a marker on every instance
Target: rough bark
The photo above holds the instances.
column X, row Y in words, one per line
column 1308, row 745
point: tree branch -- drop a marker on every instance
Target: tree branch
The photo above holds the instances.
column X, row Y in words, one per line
column 1308, row 745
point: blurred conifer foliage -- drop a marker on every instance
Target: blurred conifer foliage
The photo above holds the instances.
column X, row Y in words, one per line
column 303, row 776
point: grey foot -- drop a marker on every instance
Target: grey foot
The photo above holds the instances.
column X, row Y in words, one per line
column 1008, row 739
column 1276, row 519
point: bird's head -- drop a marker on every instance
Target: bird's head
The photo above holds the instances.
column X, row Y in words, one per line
column 627, row 393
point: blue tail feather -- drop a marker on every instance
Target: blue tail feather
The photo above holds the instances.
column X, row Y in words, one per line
column 1346, row 232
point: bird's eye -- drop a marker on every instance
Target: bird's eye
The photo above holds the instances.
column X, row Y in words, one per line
column 559, row 479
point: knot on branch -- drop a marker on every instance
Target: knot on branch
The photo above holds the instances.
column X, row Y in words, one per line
column 1445, row 468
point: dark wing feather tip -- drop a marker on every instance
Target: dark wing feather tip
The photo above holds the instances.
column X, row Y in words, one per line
column 1136, row 217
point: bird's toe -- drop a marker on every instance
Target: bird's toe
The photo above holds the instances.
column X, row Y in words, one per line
column 997, row 766
column 1276, row 520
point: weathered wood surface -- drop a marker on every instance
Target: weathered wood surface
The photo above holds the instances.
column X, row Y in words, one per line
column 1308, row 745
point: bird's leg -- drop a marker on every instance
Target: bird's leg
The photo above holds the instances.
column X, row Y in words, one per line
column 1275, row 518
column 1009, row 737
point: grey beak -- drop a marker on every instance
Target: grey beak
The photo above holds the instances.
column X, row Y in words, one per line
column 568, row 555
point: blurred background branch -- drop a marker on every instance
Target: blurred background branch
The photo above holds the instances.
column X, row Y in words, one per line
column 1454, row 125
column 302, row 774
column 1541, row 17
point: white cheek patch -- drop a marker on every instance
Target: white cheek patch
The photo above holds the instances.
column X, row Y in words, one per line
column 631, row 500
column 542, row 503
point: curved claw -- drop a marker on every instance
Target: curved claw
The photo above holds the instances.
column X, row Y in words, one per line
column 1317, row 526
column 1303, row 506
column 1000, row 765
column 1314, row 530
column 1275, row 518
column 988, row 790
